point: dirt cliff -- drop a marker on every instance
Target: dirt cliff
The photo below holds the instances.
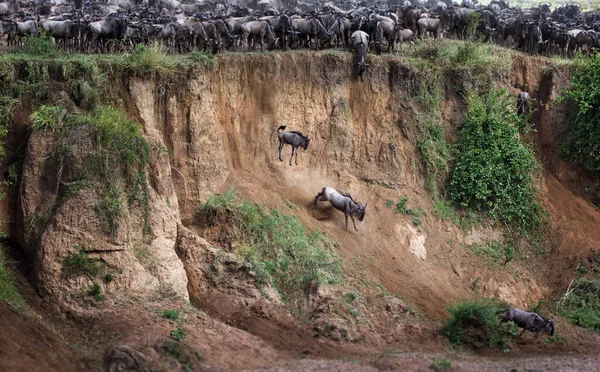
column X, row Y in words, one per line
column 216, row 129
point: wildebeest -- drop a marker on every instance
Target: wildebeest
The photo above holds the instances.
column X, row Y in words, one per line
column 294, row 139
column 433, row 25
column 360, row 44
column 342, row 202
column 529, row 321
column 258, row 30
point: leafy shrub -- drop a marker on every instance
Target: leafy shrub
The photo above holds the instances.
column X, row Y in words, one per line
column 276, row 245
column 582, row 305
column 476, row 324
column 493, row 172
column 80, row 264
column 583, row 141
column 107, row 278
column 171, row 314
column 8, row 290
column 47, row 118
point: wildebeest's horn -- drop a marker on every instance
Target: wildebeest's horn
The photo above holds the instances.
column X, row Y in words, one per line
column 366, row 205
column 309, row 137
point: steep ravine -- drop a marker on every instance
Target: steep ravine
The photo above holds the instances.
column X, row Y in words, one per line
column 214, row 129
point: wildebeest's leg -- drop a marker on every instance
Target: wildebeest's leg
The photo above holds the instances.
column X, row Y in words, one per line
column 520, row 334
column 281, row 144
column 291, row 157
column 296, row 155
column 346, row 216
column 354, row 223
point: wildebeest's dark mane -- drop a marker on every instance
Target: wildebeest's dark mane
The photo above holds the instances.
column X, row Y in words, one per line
column 298, row 133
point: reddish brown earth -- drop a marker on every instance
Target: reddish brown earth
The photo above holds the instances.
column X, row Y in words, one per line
column 207, row 129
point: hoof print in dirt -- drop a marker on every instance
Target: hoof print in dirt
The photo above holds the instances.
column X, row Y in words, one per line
column 125, row 358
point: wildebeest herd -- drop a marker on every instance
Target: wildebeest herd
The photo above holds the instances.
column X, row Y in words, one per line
column 215, row 25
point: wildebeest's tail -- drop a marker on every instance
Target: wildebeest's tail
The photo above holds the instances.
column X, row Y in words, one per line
column 281, row 127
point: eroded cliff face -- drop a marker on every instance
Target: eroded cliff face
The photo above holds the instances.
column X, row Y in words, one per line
column 215, row 128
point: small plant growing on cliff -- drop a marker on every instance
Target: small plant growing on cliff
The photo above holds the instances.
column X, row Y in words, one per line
column 80, row 264
column 110, row 210
column 179, row 333
column 94, row 291
column 171, row 314
column 47, row 118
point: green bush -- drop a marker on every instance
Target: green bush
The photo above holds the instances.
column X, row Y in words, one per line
column 8, row 290
column 582, row 306
column 276, row 245
column 493, row 171
column 476, row 324
column 583, row 141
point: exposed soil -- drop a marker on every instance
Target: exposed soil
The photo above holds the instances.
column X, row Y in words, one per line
column 219, row 132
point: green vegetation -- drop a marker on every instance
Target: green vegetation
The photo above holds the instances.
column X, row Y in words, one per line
column 415, row 212
column 277, row 246
column 41, row 45
column 495, row 250
column 8, row 290
column 477, row 325
column 107, row 278
column 581, row 305
column 117, row 162
column 178, row 333
column 47, row 118
column 80, row 264
column 171, row 314
column 94, row 291
column 493, row 172
column 583, row 142
column 440, row 365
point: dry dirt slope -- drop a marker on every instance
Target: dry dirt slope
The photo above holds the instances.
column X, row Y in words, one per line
column 218, row 127
column 220, row 131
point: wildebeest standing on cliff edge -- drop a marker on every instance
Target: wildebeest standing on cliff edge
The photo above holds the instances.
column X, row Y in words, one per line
column 360, row 44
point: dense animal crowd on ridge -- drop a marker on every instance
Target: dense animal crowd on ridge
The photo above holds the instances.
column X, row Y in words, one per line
column 216, row 25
